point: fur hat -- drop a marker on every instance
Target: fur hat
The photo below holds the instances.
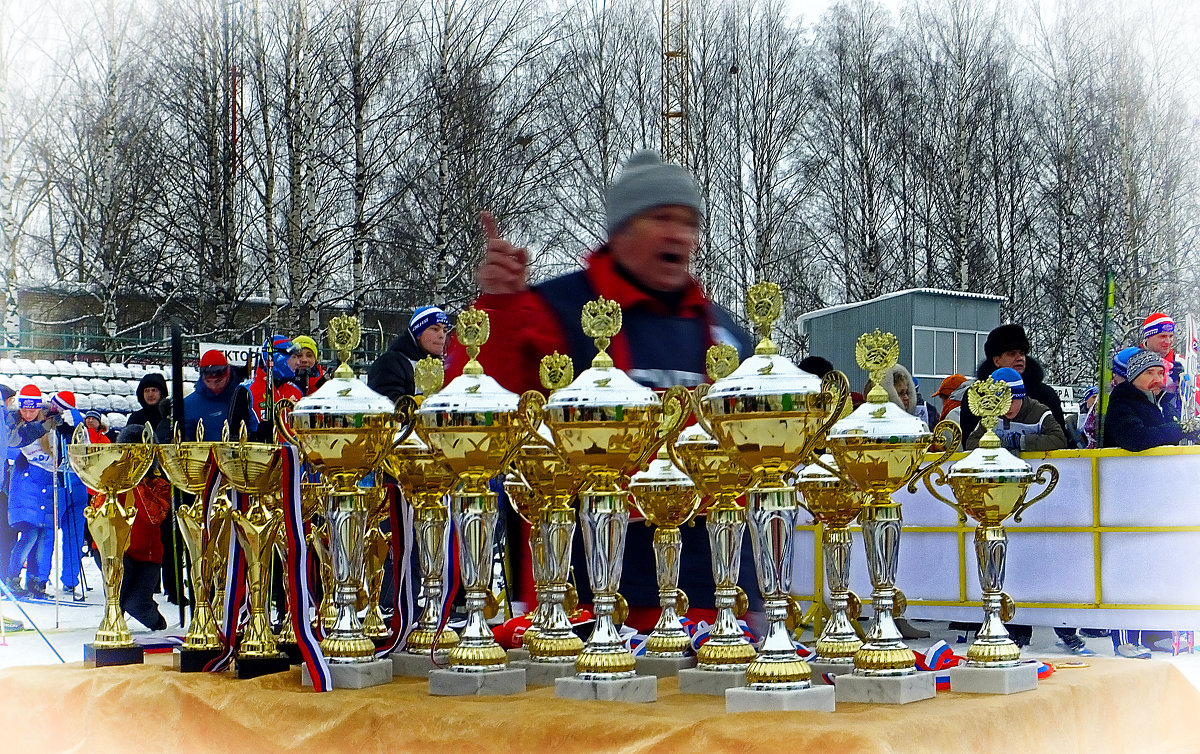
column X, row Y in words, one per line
column 1140, row 362
column 647, row 182
column 1012, row 378
column 1157, row 323
column 30, row 396
column 1005, row 338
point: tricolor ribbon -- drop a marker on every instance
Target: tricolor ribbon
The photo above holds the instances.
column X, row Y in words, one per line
column 701, row 631
column 939, row 658
column 403, row 599
column 297, row 586
column 235, row 573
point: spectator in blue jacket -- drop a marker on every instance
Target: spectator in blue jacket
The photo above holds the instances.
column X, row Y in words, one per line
column 211, row 399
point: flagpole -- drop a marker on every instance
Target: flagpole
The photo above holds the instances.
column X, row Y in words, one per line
column 1105, row 383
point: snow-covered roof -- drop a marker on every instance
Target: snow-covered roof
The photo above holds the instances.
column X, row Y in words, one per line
column 895, row 294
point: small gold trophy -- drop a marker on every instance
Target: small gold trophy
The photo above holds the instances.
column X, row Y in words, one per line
column 113, row 469
column 879, row 448
column 769, row 415
column 186, row 464
column 472, row 425
column 990, row 484
column 375, row 555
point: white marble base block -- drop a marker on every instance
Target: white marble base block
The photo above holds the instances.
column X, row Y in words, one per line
column 491, row 683
column 814, row 698
column 889, row 690
column 710, row 682
column 412, row 666
column 518, row 654
column 664, row 667
column 543, row 673
column 1012, row 680
column 638, row 689
column 353, row 675
column 819, row 669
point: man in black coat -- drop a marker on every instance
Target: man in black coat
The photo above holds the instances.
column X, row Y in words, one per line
column 1137, row 418
column 392, row 373
column 1008, row 346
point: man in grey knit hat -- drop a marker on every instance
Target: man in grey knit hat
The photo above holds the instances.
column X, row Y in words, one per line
column 653, row 218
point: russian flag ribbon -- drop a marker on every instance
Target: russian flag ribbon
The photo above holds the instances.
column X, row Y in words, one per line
column 297, row 586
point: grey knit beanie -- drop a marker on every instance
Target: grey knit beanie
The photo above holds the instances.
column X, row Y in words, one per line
column 645, row 183
column 1140, row 362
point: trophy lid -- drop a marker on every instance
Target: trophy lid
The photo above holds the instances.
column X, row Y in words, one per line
column 343, row 394
column 878, row 418
column 989, row 400
column 659, row 473
column 472, row 392
column 816, row 474
column 602, row 384
column 695, row 435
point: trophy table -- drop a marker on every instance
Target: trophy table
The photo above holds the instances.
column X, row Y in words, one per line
column 112, row 468
column 990, row 485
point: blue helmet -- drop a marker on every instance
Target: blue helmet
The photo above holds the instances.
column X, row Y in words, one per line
column 275, row 353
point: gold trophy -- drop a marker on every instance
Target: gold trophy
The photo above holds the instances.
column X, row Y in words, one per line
column 375, row 553
column 542, row 487
column 880, row 447
column 472, row 426
column 721, row 661
column 312, row 504
column 186, row 465
column 990, row 484
column 425, row 481
column 255, row 469
column 836, row 504
column 113, row 469
column 345, row 429
column 768, row 415
column 667, row 499
column 605, row 426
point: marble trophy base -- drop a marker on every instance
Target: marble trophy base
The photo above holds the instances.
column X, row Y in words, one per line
column 640, row 689
column 353, row 675
column 519, row 654
column 814, row 698
column 193, row 660
column 253, row 667
column 490, row 683
column 664, row 667
column 710, row 682
column 968, row 680
column 103, row 657
column 413, row 666
column 888, row 690
column 819, row 669
column 543, row 673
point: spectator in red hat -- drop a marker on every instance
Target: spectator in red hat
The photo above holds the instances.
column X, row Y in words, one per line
column 1158, row 334
column 211, row 399
column 71, row 497
column 31, row 446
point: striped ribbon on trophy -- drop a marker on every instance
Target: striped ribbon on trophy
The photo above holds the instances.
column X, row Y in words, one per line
column 403, row 598
column 297, row 586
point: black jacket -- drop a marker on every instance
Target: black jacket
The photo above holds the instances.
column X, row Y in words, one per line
column 392, row 373
column 1035, row 387
column 1135, row 423
column 152, row 415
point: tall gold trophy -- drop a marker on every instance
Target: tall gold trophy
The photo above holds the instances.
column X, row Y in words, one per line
column 768, row 415
column 312, row 504
column 667, row 499
column 345, row 429
column 605, row 426
column 425, row 480
column 472, row 426
column 836, row 504
column 990, row 484
column 255, row 469
column 186, row 464
column 375, row 552
column 113, row 469
column 880, row 448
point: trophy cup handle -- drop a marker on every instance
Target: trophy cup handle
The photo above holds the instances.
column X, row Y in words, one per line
column 835, row 389
column 700, row 409
column 941, row 481
column 80, row 436
column 1047, row 474
column 405, row 411
column 530, row 411
column 947, row 448
column 282, row 406
column 677, row 407
column 147, row 434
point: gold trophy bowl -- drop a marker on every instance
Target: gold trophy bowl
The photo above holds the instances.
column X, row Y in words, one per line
column 252, row 468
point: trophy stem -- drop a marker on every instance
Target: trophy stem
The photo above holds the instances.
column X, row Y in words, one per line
column 537, row 559
column 377, row 549
column 555, row 641
column 110, row 526
column 727, row 647
column 475, row 515
column 771, row 512
column 287, row 632
column 431, row 518
column 838, row 641
column 669, row 638
column 884, row 653
column 605, row 518
column 202, row 632
column 218, row 550
column 256, row 531
column 992, row 647
column 327, row 611
column 346, row 516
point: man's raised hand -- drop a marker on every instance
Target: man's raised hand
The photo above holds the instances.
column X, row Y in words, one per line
column 504, row 266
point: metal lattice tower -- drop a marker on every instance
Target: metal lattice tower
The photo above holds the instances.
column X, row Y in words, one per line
column 674, row 82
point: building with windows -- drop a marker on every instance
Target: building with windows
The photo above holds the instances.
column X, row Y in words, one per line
column 940, row 332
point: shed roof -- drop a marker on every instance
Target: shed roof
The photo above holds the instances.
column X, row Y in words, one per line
column 895, row 294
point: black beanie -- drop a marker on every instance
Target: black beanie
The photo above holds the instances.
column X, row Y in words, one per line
column 1005, row 338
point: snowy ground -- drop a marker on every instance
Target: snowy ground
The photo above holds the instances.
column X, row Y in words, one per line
column 73, row 623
